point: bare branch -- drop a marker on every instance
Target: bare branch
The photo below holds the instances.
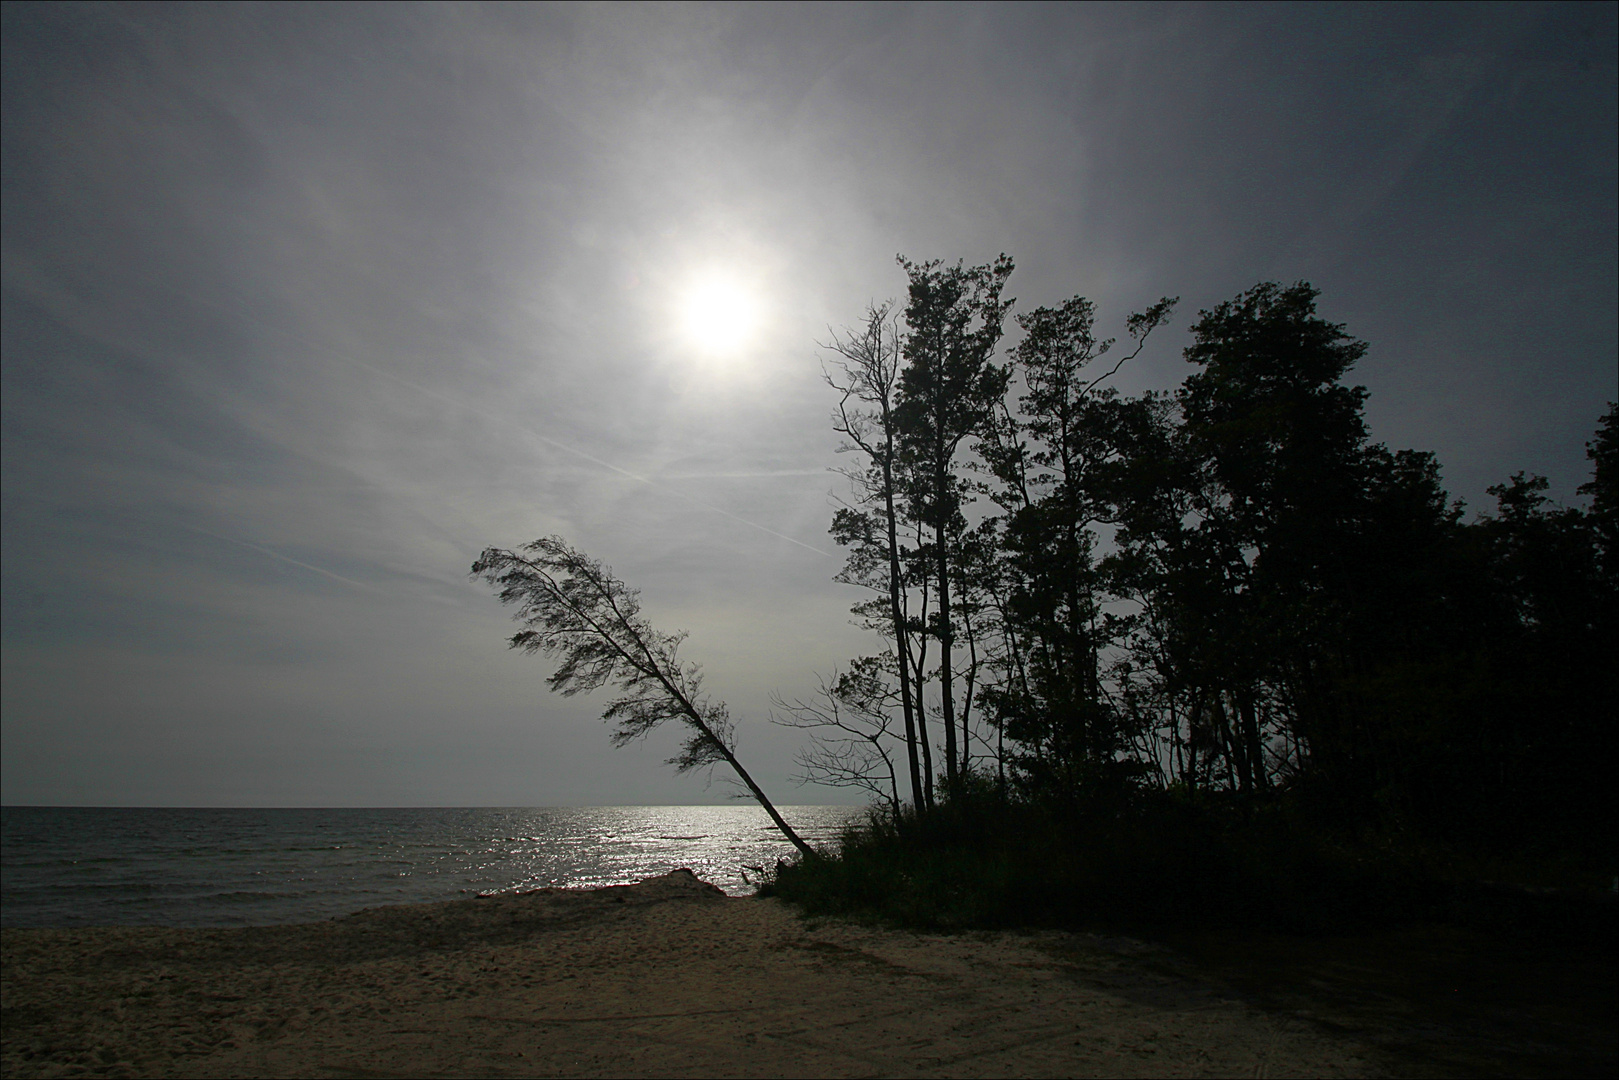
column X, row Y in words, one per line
column 851, row 729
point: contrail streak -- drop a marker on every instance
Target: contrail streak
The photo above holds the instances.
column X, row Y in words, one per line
column 286, row 559
column 763, row 474
column 230, row 540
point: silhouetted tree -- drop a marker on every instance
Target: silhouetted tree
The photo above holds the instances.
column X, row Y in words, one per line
column 1544, row 731
column 1603, row 487
column 1052, row 456
column 574, row 609
column 1278, row 439
column 948, row 387
column 867, row 380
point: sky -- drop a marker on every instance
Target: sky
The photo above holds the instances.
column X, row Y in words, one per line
column 303, row 306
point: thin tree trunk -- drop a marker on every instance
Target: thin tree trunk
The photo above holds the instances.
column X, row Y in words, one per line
column 902, row 633
column 1000, row 761
column 946, row 676
column 918, row 675
column 970, row 684
column 770, row 808
column 1177, row 759
column 1255, row 750
column 1236, row 760
column 1193, row 716
column 696, row 718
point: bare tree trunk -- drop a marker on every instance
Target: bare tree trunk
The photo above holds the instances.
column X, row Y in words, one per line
column 871, row 361
column 1254, row 748
column 1177, row 757
column 970, row 682
column 1000, row 761
column 1193, row 717
column 694, row 716
column 1236, row 760
column 946, row 676
column 902, row 633
column 769, row 807
column 923, row 738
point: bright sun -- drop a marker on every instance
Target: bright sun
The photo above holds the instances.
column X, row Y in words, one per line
column 718, row 316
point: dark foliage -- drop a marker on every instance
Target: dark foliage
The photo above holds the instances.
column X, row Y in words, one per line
column 1166, row 862
column 1226, row 653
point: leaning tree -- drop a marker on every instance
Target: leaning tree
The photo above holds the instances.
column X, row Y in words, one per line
column 574, row 609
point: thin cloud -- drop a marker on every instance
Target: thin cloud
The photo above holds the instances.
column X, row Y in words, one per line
column 460, row 403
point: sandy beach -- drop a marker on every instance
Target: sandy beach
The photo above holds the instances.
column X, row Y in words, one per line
column 665, row 978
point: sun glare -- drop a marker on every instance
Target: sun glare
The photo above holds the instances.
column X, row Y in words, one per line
column 718, row 316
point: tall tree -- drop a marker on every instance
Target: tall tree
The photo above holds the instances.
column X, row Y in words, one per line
column 1052, row 457
column 949, row 386
column 1278, row 440
column 867, row 381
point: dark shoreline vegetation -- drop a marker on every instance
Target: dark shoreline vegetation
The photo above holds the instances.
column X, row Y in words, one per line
column 1228, row 663
column 1206, row 658
column 1234, row 664
column 1163, row 866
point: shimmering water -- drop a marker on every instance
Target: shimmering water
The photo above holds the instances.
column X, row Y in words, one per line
column 84, row 866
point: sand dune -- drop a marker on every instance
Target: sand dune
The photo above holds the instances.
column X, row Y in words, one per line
column 665, row 978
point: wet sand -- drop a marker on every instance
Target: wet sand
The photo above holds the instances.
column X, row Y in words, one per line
column 665, row 978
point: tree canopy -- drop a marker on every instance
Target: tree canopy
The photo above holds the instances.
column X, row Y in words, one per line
column 1228, row 591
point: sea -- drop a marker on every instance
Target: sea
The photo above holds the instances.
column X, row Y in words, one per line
column 108, row 866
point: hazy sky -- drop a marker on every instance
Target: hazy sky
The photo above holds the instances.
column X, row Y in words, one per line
column 305, row 305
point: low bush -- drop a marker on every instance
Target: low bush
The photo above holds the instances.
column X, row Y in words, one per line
column 1162, row 861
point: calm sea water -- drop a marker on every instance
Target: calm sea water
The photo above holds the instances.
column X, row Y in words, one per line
column 97, row 866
